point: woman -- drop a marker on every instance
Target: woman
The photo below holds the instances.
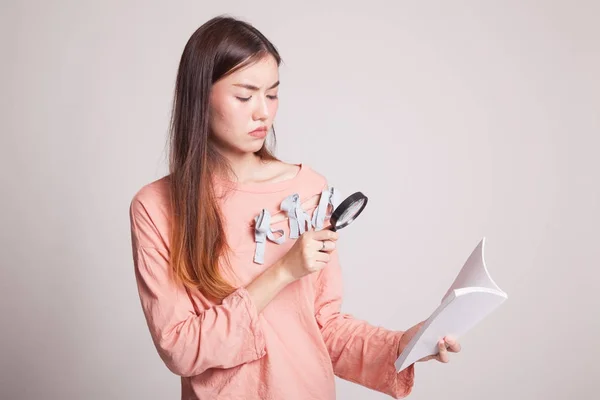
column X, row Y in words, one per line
column 239, row 283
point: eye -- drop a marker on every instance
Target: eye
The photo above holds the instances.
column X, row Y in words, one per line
column 272, row 97
column 243, row 99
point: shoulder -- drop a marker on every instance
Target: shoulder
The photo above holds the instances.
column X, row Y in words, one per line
column 149, row 212
column 152, row 195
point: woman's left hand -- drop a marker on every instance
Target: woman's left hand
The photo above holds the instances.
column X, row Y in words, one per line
column 445, row 345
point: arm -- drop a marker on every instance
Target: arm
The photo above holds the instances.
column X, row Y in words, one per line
column 189, row 340
column 360, row 352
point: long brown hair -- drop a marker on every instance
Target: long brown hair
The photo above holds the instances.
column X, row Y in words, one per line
column 216, row 49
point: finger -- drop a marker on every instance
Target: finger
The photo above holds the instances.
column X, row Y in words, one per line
column 452, row 344
column 325, row 234
column 443, row 354
column 323, row 257
column 326, row 246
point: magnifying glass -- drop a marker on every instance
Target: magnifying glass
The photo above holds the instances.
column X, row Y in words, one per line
column 347, row 211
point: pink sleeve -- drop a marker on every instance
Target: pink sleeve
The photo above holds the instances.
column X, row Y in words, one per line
column 189, row 342
column 360, row 352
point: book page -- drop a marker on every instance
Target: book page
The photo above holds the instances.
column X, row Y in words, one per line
column 461, row 311
column 474, row 272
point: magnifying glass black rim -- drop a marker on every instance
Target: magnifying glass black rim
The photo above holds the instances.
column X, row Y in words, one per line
column 337, row 213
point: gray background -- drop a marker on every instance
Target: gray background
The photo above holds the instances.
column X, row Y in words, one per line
column 458, row 119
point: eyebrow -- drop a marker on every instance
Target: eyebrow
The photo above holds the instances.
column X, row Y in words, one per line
column 252, row 87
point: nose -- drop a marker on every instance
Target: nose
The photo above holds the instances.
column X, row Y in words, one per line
column 261, row 111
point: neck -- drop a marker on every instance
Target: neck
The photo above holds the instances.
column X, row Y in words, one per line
column 246, row 167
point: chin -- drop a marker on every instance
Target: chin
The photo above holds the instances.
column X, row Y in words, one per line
column 251, row 148
column 258, row 146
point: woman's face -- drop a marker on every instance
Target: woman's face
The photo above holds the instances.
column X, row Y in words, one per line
column 242, row 102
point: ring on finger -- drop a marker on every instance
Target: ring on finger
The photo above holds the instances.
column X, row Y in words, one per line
column 323, row 245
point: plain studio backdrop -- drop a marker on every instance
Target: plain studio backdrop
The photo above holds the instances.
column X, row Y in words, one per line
column 458, row 119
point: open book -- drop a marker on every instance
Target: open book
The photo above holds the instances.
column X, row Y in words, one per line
column 472, row 296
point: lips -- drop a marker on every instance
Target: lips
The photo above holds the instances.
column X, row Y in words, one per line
column 259, row 133
column 261, row 129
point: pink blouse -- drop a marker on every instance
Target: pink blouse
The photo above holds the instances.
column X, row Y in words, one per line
column 295, row 346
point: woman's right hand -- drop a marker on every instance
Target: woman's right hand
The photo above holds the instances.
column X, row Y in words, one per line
column 308, row 255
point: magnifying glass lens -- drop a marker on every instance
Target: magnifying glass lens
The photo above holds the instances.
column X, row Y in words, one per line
column 351, row 211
